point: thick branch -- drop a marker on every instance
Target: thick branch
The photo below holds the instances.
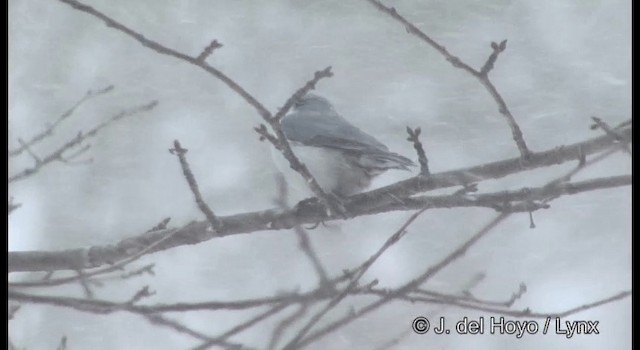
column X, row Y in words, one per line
column 197, row 232
column 194, row 233
column 494, row 170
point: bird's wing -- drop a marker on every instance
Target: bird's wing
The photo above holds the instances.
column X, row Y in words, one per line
column 328, row 130
column 365, row 156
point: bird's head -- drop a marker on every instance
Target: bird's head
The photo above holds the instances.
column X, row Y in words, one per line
column 312, row 102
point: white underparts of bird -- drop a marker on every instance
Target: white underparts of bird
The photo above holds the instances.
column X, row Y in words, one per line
column 341, row 157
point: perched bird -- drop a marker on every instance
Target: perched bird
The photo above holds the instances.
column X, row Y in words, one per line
column 341, row 157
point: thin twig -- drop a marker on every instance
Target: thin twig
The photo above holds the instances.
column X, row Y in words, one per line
column 393, row 342
column 404, row 289
column 13, row 308
column 100, row 306
column 13, row 206
column 467, row 297
column 285, row 323
column 84, row 282
column 148, row 269
column 164, row 50
column 526, row 312
column 178, row 327
column 242, row 326
column 63, row 343
column 304, row 241
column 24, row 145
column 161, row 225
column 599, row 123
column 497, row 49
column 481, row 75
column 180, row 152
column 310, row 85
column 58, row 154
column 414, row 137
column 401, row 232
column 207, row 51
column 105, row 307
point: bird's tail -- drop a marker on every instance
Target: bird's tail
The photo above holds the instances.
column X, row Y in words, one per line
column 376, row 163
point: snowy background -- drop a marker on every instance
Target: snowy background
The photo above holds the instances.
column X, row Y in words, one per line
column 565, row 61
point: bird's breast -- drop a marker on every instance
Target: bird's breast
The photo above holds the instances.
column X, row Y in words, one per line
column 329, row 167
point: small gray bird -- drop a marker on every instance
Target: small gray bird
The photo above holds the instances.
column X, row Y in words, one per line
column 341, row 157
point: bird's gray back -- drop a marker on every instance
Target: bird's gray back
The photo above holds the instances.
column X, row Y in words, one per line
column 326, row 128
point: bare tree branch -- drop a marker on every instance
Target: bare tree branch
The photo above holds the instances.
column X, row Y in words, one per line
column 285, row 323
column 481, row 75
column 624, row 141
column 24, row 145
column 163, row 50
column 180, row 328
column 213, row 45
column 329, row 202
column 58, row 155
column 354, row 280
column 310, row 85
column 392, row 344
column 13, row 206
column 497, row 49
column 242, row 326
column 196, row 232
column 180, row 152
column 466, row 297
column 415, row 283
column 407, row 287
column 414, row 137
column 105, row 307
column 526, row 312
column 493, row 170
column 89, row 263
column 63, row 343
column 303, row 237
column 136, row 249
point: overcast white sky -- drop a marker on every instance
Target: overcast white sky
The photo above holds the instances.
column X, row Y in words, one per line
column 565, row 61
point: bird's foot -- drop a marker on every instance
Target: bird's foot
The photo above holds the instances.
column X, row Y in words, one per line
column 334, row 206
column 307, row 205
